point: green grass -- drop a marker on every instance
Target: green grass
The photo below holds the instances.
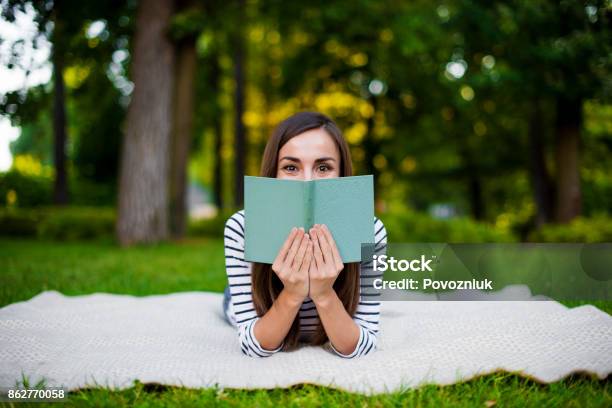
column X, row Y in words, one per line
column 28, row 267
column 504, row 390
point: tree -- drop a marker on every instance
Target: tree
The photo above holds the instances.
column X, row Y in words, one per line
column 88, row 106
column 61, row 29
column 557, row 54
column 145, row 158
column 60, row 185
column 186, row 27
column 239, row 129
column 215, row 80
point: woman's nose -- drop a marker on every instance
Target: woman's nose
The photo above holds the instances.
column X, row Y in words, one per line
column 307, row 175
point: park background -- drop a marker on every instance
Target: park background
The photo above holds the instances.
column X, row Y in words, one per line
column 132, row 124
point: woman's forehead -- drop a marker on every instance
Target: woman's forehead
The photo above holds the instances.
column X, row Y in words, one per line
column 310, row 145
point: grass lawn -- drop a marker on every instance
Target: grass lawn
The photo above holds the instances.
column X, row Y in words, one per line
column 28, row 267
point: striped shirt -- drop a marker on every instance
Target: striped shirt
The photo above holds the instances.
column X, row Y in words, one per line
column 239, row 276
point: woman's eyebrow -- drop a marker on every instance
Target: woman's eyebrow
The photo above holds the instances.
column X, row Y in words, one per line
column 322, row 159
column 295, row 159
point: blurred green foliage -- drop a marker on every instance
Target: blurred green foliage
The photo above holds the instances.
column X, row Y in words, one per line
column 581, row 229
column 438, row 100
column 18, row 189
column 419, row 227
column 83, row 222
column 58, row 223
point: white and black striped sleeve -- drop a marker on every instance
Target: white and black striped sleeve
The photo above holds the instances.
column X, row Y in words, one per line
column 239, row 278
column 368, row 310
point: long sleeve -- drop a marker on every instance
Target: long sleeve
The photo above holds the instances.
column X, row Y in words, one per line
column 239, row 278
column 368, row 310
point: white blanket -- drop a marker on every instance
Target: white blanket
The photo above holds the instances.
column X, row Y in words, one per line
column 181, row 339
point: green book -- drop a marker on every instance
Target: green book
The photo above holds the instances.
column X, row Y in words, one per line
column 273, row 206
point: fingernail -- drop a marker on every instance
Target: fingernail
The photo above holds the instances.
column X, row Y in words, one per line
column 306, row 235
column 302, row 229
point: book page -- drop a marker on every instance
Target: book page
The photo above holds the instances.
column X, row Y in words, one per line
column 272, row 207
column 346, row 206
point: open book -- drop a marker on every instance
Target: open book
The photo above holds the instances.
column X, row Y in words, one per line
column 273, row 206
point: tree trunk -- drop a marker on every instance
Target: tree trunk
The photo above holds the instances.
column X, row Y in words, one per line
column 239, row 130
column 60, row 185
column 568, row 125
column 182, row 133
column 143, row 186
column 215, row 81
column 371, row 149
column 540, row 179
column 476, row 199
column 473, row 178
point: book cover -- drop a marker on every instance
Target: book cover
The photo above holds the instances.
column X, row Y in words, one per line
column 273, row 206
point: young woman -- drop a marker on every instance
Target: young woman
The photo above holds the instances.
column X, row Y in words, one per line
column 308, row 295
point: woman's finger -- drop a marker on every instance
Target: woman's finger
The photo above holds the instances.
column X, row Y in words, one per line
column 299, row 256
column 307, row 258
column 282, row 254
column 313, row 269
column 334, row 249
column 316, row 248
column 294, row 247
column 328, row 256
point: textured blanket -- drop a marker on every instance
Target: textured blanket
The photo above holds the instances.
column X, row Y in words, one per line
column 182, row 339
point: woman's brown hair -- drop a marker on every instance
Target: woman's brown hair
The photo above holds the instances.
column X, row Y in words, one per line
column 266, row 286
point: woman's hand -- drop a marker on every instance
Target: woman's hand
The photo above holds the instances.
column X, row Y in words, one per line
column 327, row 263
column 292, row 263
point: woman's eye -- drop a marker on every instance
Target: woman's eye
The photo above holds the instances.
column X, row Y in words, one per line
column 323, row 167
column 289, row 167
